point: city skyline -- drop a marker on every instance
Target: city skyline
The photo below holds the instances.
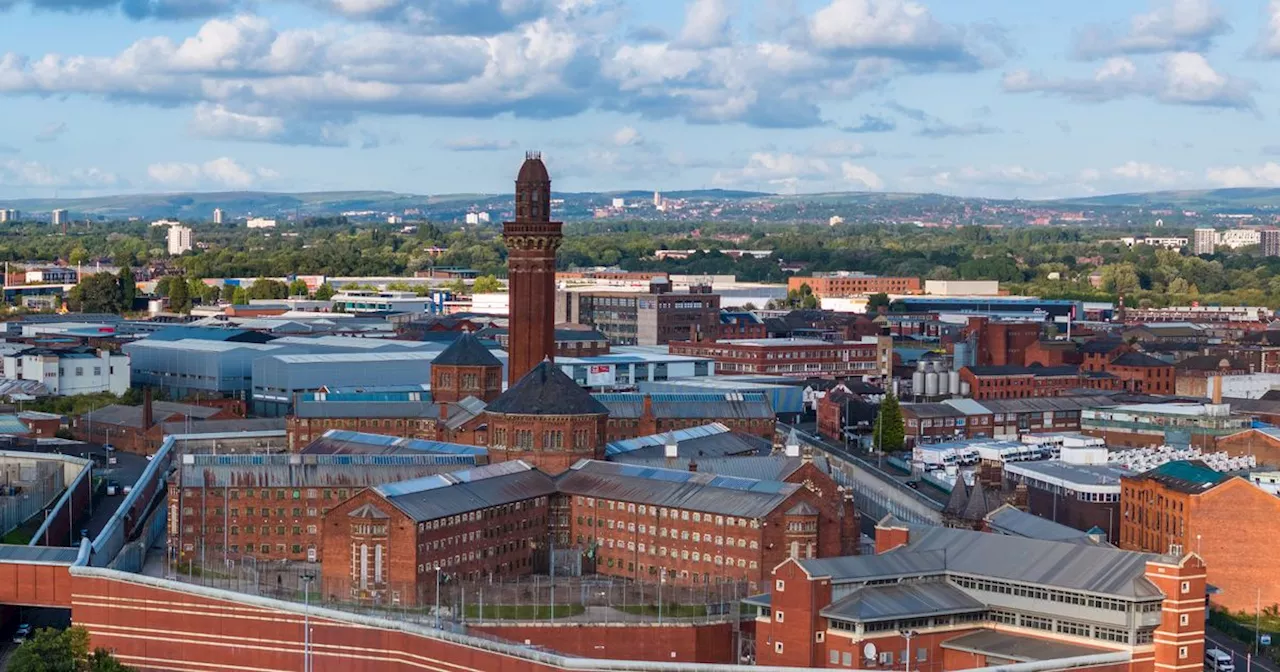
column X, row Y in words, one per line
column 984, row 98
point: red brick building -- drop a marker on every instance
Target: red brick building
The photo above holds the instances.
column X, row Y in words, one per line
column 465, row 369
column 643, row 523
column 270, row 507
column 741, row 324
column 870, row 356
column 532, row 240
column 1000, row 343
column 1189, row 505
column 546, row 420
column 1020, row 382
column 571, row 340
column 853, row 284
column 970, row 599
column 633, row 414
column 414, row 416
column 140, row 429
column 1052, row 353
column 1141, row 373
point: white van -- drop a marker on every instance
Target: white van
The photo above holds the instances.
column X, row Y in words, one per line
column 1217, row 660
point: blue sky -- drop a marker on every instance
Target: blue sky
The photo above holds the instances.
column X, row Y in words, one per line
column 1002, row 98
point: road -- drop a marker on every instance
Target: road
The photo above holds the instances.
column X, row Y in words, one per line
column 1237, row 649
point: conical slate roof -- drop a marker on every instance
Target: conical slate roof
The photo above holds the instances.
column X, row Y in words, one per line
column 466, row 350
column 546, row 390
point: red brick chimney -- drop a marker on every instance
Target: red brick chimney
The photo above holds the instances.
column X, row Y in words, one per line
column 148, row 413
column 693, row 466
column 444, row 411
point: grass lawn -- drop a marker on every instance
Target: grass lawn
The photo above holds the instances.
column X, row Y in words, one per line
column 523, row 612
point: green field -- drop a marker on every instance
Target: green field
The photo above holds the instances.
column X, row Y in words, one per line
column 523, row 612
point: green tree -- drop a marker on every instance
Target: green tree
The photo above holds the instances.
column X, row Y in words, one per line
column 238, row 296
column 179, row 296
column 267, row 288
column 324, row 292
column 128, row 287
column 97, row 293
column 1120, row 279
column 889, row 432
column 50, row 650
column 486, row 284
column 78, row 256
column 163, row 285
column 877, row 301
column 298, row 287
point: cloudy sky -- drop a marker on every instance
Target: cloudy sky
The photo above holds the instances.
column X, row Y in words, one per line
column 1028, row 98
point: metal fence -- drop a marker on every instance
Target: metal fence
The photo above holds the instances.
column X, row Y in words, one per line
column 588, row 599
column 28, row 491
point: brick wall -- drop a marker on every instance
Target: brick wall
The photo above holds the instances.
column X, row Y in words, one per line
column 679, row 642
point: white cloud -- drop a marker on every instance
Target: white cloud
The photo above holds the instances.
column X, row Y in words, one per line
column 895, row 27
column 1148, row 173
column 861, row 176
column 217, row 121
column 627, row 136
column 35, row 175
column 472, row 143
column 220, row 172
column 1268, row 44
column 51, row 131
column 1265, row 175
column 1184, row 78
column 1172, row 25
column 840, row 148
column 707, row 24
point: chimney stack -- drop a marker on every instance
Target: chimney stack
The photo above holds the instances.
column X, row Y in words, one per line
column 671, row 450
column 792, row 447
column 693, row 466
column 148, row 413
column 1217, row 389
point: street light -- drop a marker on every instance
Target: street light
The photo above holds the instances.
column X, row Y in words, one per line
column 306, row 621
column 908, row 634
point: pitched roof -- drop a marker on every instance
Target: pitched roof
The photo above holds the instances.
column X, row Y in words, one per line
column 346, row 442
column 466, row 350
column 1101, row 346
column 1033, row 370
column 461, row 491
column 1013, row 521
column 367, row 511
column 709, row 440
column 697, row 491
column 1211, row 363
column 688, row 405
column 1138, row 359
column 891, row 602
column 546, row 390
column 761, row 468
column 1189, row 476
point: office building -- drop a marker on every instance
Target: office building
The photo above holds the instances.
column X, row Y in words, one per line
column 936, row 598
column 70, row 371
column 1203, row 241
column 180, row 240
column 261, row 223
column 60, row 217
column 656, row 317
column 850, row 283
column 868, row 357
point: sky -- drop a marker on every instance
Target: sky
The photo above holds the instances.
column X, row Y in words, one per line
column 998, row 98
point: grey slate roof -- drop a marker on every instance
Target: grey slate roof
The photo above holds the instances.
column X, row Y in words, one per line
column 1106, row 571
column 304, row 408
column 709, row 440
column 700, row 491
column 131, row 416
column 546, row 390
column 345, row 442
column 448, row 494
column 1138, row 359
column 226, row 426
column 763, row 468
column 1018, row 648
column 466, row 350
column 747, row 405
column 904, row 600
column 893, row 565
column 1013, row 521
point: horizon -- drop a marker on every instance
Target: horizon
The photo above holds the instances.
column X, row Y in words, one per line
column 981, row 99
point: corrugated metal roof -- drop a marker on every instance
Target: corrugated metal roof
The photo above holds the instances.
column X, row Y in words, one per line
column 131, row 416
column 344, row 442
column 1039, row 404
column 1010, row 520
column 749, row 405
column 710, row 440
column 449, row 494
column 330, row 358
column 304, row 408
column 1020, row 648
column 38, row 554
column 697, row 491
column 883, row 566
column 906, row 600
column 226, row 426
column 764, row 467
column 312, row 471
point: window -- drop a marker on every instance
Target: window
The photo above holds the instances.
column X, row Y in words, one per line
column 835, row 656
column 777, row 616
column 1182, row 652
column 779, row 585
column 1186, row 587
column 1183, row 619
column 820, row 637
column 777, row 647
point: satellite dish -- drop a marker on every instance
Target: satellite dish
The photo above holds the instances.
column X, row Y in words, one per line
column 869, row 651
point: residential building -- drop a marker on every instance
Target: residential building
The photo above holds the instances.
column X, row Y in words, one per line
column 261, row 223
column 1269, row 239
column 868, row 357
column 180, row 240
column 1203, row 241
column 218, row 215
column 1141, row 374
column 656, row 317
column 9, row 215
column 936, row 598
column 1187, row 505
column 852, row 283
column 635, row 414
column 1237, row 238
column 60, row 217
column 271, row 507
column 70, row 371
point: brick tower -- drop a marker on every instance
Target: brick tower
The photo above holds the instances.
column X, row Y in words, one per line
column 532, row 240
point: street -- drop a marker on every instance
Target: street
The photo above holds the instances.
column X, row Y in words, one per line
column 1237, row 649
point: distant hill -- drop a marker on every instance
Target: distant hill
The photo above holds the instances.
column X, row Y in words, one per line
column 1248, row 197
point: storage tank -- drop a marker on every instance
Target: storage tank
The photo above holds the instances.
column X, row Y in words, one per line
column 917, row 383
column 964, row 389
column 931, row 384
column 953, row 383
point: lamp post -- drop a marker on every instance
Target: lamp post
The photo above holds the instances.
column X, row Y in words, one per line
column 306, row 621
column 908, row 634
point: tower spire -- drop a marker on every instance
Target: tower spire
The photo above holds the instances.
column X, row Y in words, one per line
column 532, row 240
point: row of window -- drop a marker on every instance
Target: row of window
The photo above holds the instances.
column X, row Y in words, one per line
column 1061, row 596
column 486, row 513
column 280, row 493
column 250, row 512
column 664, row 512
